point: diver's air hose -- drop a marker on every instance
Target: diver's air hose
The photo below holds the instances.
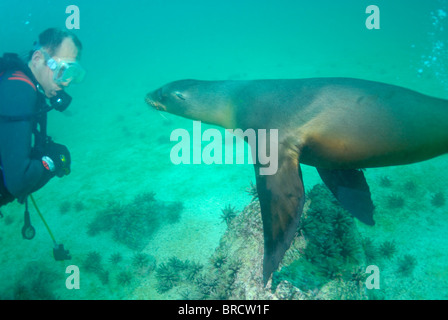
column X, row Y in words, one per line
column 43, row 220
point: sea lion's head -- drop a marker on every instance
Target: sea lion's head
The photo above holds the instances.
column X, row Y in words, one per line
column 194, row 99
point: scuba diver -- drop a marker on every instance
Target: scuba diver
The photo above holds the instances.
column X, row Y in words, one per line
column 28, row 156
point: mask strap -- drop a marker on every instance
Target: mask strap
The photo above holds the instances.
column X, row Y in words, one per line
column 36, row 46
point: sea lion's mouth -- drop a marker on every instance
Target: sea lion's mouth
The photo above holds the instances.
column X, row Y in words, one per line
column 156, row 105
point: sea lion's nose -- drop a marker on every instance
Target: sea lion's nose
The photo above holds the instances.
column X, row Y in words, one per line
column 148, row 99
column 154, row 96
column 153, row 99
column 159, row 94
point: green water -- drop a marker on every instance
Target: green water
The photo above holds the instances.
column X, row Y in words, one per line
column 121, row 149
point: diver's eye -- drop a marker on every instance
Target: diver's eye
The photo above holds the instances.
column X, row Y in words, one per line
column 179, row 95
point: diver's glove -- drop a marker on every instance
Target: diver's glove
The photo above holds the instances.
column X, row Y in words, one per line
column 56, row 159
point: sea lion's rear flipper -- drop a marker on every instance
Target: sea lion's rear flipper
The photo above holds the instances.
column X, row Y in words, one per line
column 281, row 200
column 351, row 189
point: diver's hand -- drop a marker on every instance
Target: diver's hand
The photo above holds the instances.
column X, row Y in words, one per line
column 56, row 159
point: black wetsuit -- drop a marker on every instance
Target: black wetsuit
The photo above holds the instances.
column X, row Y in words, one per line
column 22, row 171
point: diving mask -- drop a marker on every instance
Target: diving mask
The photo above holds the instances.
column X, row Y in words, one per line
column 64, row 71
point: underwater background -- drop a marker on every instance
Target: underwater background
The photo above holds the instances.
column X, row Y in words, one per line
column 140, row 227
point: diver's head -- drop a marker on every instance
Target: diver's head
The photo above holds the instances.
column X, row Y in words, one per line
column 54, row 60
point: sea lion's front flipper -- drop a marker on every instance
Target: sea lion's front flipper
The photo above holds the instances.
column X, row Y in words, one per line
column 351, row 189
column 281, row 200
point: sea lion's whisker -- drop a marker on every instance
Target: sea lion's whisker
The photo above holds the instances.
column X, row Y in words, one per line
column 161, row 114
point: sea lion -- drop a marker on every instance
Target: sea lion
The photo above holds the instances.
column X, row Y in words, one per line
column 338, row 125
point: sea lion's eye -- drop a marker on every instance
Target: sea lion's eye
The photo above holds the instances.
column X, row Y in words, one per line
column 179, row 95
